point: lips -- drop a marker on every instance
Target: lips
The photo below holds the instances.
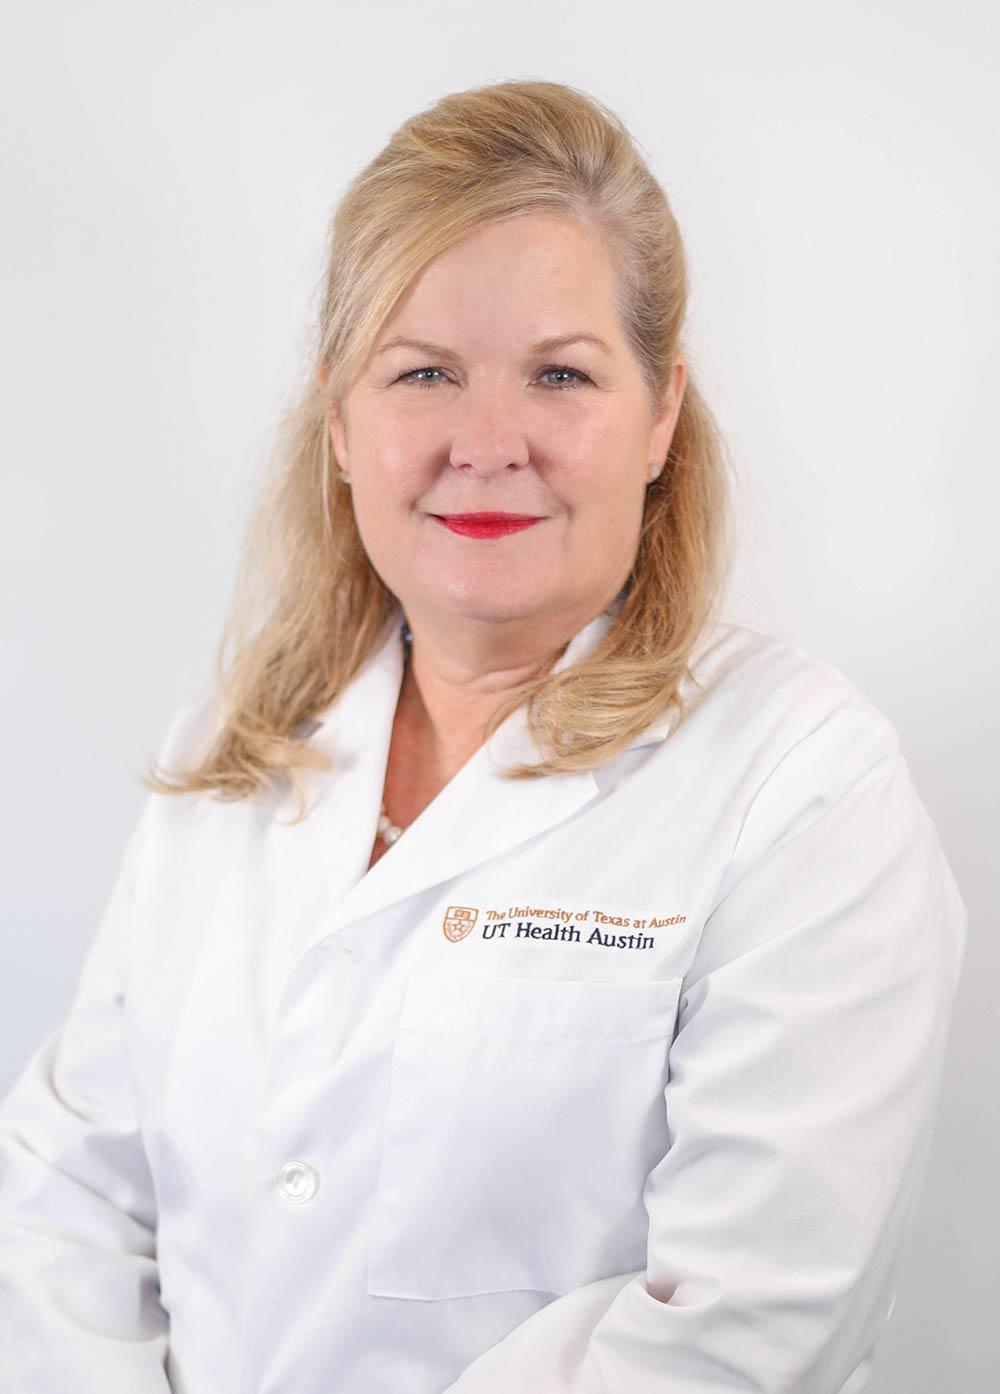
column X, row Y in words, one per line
column 486, row 524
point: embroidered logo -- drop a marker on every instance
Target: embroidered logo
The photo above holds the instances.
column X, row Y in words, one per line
column 459, row 920
column 589, row 925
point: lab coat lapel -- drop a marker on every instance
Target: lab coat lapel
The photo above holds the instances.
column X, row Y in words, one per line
column 307, row 868
column 479, row 815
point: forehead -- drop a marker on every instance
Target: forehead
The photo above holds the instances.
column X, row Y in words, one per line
column 511, row 284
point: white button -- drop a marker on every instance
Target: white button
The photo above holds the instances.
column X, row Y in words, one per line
column 298, row 1181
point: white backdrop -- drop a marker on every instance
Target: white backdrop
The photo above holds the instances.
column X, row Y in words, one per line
column 168, row 173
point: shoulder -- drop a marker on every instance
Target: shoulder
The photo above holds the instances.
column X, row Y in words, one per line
column 191, row 729
column 766, row 710
column 766, row 686
column 168, row 822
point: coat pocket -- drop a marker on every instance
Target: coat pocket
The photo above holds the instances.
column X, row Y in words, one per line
column 523, row 1117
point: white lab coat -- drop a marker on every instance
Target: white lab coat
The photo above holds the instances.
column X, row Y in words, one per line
column 617, row 1082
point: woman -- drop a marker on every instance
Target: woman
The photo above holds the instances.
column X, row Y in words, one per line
column 582, row 1031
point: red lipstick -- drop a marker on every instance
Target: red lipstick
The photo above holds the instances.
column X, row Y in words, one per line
column 486, row 524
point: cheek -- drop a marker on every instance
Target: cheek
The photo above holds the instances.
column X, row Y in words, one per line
column 387, row 493
column 600, row 470
column 607, row 442
column 602, row 485
column 387, row 448
column 389, row 479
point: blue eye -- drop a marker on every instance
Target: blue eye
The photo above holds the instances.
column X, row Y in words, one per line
column 559, row 368
column 412, row 377
column 577, row 377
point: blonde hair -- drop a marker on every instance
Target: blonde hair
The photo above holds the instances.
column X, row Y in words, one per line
column 470, row 159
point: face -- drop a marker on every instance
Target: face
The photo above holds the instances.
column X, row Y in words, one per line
column 462, row 409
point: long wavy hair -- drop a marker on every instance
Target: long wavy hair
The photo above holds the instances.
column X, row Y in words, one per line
column 308, row 606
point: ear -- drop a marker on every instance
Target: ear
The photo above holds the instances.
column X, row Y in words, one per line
column 334, row 421
column 665, row 421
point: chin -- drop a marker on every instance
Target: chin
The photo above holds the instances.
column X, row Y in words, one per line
column 475, row 602
column 490, row 592
column 491, row 611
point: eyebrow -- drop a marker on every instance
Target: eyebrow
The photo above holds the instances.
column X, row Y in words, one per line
column 552, row 345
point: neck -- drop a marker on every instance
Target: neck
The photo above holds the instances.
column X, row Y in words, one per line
column 458, row 674
column 444, row 704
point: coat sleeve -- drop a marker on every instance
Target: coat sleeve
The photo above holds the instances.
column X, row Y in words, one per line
column 79, row 1291
column 801, row 1094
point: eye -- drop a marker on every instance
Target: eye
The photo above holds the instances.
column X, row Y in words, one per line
column 418, row 382
column 576, row 377
column 574, row 373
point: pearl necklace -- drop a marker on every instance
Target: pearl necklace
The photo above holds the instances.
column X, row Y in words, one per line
column 388, row 831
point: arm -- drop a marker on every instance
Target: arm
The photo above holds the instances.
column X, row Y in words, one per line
column 803, row 1080
column 79, row 1296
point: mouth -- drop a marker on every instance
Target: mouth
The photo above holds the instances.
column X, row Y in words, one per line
column 486, row 524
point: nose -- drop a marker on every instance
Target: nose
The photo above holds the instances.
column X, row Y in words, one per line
column 487, row 436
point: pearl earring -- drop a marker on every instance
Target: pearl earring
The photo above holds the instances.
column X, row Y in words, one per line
column 345, row 477
column 654, row 472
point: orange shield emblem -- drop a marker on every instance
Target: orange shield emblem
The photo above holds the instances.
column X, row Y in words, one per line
column 458, row 921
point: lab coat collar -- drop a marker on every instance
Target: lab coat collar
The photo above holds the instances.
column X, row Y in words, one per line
column 479, row 815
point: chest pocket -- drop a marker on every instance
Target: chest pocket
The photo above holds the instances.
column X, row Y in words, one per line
column 522, row 1120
